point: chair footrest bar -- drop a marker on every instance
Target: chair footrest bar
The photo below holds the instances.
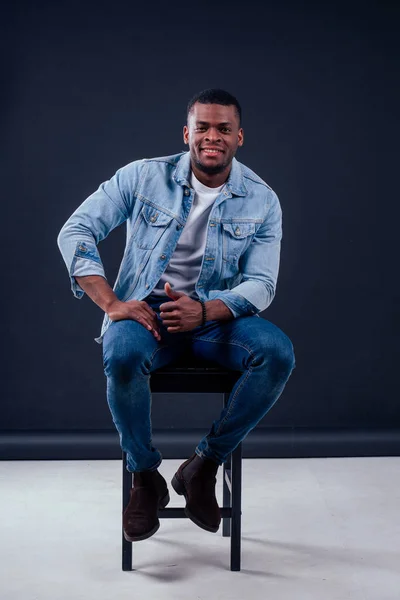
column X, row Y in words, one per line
column 179, row 513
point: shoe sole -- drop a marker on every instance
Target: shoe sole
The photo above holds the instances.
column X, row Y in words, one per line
column 138, row 538
column 181, row 490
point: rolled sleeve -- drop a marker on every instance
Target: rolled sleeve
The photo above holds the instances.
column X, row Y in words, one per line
column 109, row 206
column 80, row 268
column 234, row 312
column 237, row 303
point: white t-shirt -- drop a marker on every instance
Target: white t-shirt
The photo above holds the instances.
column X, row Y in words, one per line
column 184, row 267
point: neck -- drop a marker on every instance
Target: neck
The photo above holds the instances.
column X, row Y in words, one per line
column 214, row 180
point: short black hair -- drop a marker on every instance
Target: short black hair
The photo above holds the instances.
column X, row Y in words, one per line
column 215, row 96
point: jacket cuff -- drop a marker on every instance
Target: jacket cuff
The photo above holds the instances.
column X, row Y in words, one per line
column 81, row 267
column 238, row 304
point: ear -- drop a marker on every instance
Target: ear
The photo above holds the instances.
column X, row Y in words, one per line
column 185, row 134
column 240, row 137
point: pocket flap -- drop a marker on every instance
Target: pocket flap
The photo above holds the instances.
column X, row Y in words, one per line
column 239, row 230
column 154, row 216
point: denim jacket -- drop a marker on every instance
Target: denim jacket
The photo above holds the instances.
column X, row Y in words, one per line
column 241, row 259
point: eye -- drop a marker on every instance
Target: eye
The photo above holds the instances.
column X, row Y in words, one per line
column 226, row 129
column 200, row 129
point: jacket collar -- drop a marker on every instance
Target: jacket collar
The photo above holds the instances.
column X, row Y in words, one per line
column 235, row 182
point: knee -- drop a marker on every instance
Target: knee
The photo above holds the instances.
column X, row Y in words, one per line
column 283, row 354
column 280, row 355
column 121, row 362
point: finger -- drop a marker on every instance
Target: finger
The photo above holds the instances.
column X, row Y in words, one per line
column 169, row 314
column 147, row 324
column 151, row 317
column 148, row 309
column 171, row 321
column 167, row 306
column 155, row 327
column 173, row 329
column 143, row 322
column 154, row 331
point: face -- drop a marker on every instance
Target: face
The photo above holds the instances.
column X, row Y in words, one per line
column 213, row 135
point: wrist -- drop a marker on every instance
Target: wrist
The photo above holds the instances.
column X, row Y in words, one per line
column 217, row 310
column 112, row 305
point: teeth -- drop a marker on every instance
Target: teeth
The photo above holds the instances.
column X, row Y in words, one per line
column 213, row 151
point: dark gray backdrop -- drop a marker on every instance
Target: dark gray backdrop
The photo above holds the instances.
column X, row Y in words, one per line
column 87, row 89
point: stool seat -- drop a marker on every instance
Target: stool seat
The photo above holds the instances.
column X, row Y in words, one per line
column 189, row 360
column 190, row 374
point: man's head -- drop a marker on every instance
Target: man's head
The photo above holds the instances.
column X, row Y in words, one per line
column 213, row 132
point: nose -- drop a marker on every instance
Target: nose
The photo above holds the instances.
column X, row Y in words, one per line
column 213, row 134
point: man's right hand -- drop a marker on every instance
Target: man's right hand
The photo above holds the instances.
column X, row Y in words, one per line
column 136, row 310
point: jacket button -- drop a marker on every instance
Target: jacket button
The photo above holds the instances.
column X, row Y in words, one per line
column 162, row 256
column 153, row 219
column 82, row 248
column 187, row 192
column 178, row 227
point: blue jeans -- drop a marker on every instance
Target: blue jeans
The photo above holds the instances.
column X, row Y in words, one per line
column 251, row 345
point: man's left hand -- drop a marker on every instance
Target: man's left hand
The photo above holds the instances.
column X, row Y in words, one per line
column 183, row 314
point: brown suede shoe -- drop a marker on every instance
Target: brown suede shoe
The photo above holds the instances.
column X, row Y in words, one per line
column 149, row 493
column 195, row 479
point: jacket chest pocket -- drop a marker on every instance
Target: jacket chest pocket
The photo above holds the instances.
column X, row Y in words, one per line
column 151, row 225
column 236, row 237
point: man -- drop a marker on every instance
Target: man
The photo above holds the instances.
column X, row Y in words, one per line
column 204, row 222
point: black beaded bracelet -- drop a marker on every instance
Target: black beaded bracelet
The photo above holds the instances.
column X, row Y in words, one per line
column 203, row 306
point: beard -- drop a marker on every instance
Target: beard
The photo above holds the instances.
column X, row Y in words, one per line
column 212, row 169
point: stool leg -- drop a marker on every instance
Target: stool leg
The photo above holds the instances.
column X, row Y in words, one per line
column 126, row 487
column 226, row 495
column 236, row 507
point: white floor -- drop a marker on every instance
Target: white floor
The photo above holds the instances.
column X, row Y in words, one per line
column 326, row 529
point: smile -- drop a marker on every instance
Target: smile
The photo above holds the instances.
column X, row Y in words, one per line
column 211, row 151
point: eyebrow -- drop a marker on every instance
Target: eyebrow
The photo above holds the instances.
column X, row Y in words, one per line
column 206, row 123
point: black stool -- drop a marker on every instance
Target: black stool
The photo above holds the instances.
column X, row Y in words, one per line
column 189, row 374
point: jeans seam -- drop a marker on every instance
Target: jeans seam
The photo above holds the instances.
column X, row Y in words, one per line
column 151, row 399
column 155, row 352
column 231, row 404
column 202, row 339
